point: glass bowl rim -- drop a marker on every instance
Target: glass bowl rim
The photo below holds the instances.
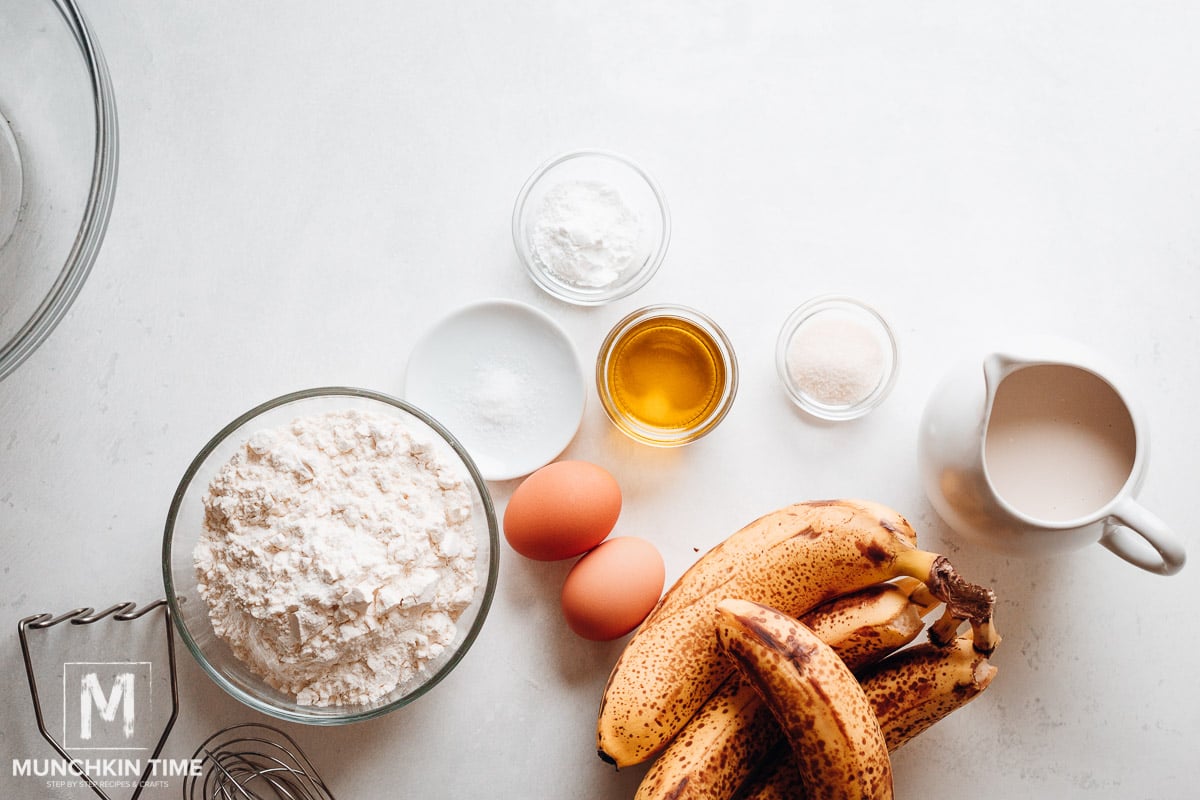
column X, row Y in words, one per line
column 638, row 279
column 720, row 339
column 94, row 222
column 476, row 624
column 806, row 311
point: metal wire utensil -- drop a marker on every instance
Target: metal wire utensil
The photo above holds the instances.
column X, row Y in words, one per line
column 253, row 762
column 121, row 612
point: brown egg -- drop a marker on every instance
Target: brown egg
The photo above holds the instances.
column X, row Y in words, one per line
column 564, row 509
column 612, row 588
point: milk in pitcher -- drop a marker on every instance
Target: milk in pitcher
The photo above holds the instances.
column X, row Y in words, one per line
column 1060, row 442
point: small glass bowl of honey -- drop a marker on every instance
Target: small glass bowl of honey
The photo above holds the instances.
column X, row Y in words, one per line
column 666, row 375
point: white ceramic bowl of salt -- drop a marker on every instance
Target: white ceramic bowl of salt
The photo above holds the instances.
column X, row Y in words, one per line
column 837, row 357
column 505, row 379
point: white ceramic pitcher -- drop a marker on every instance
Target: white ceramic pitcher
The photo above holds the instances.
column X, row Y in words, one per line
column 953, row 455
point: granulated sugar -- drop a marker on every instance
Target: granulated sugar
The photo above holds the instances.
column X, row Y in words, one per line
column 835, row 360
column 338, row 554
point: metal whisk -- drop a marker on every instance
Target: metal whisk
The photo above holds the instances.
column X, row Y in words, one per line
column 254, row 762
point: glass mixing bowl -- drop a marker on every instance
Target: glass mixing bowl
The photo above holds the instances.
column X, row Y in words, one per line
column 185, row 523
column 607, row 173
column 58, row 167
column 837, row 357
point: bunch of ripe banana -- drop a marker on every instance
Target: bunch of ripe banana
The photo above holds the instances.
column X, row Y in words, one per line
column 770, row 669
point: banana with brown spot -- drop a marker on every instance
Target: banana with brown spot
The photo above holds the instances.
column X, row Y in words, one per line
column 909, row 692
column 733, row 731
column 792, row 559
column 820, row 706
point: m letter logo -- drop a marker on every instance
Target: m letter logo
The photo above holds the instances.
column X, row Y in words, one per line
column 91, row 695
column 102, row 703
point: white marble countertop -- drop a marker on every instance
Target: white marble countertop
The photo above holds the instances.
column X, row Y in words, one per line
column 305, row 187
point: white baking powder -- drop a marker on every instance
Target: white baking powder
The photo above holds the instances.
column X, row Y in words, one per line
column 337, row 555
column 835, row 360
column 585, row 235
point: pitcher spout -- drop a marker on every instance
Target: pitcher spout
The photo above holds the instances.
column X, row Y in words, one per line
column 997, row 367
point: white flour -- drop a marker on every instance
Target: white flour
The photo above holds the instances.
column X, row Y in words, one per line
column 585, row 235
column 337, row 555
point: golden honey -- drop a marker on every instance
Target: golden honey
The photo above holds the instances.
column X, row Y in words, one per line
column 666, row 375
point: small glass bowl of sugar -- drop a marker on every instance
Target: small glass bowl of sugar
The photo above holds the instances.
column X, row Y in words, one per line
column 837, row 357
column 591, row 227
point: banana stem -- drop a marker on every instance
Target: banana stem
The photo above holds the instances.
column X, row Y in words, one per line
column 917, row 564
column 964, row 600
column 985, row 636
column 918, row 594
column 924, row 599
column 944, row 631
column 907, row 584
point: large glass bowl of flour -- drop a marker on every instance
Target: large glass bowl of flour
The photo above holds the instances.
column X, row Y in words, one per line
column 330, row 555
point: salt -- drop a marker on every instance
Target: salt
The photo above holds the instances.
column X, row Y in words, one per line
column 835, row 361
column 501, row 408
column 500, row 395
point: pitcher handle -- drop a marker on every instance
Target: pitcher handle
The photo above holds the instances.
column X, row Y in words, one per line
column 1132, row 527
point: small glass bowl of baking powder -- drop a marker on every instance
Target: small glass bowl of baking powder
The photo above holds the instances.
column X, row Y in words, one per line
column 590, row 227
column 837, row 357
column 376, row 524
